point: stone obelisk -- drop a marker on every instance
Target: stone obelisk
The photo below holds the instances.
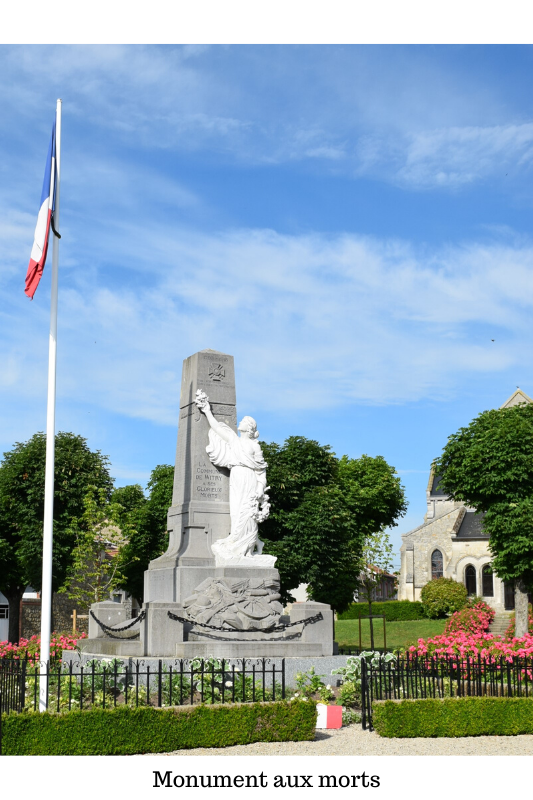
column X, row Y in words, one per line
column 199, row 514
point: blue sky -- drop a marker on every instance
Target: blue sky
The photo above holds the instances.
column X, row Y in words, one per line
column 352, row 223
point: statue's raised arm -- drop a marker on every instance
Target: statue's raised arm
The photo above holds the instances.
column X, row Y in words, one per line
column 202, row 401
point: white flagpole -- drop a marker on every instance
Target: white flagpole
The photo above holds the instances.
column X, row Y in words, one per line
column 46, row 591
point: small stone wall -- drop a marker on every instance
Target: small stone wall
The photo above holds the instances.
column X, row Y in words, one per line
column 62, row 608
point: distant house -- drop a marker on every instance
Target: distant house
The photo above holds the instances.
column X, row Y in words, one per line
column 451, row 543
column 28, row 599
column 386, row 588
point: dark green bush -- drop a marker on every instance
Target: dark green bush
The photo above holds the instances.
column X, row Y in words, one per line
column 443, row 596
column 394, row 610
column 125, row 731
column 454, row 717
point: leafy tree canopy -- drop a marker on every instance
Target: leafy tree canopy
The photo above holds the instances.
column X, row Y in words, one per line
column 323, row 507
column 489, row 466
column 22, row 510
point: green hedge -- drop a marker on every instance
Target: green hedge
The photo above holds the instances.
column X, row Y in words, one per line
column 454, row 717
column 125, row 731
column 394, row 610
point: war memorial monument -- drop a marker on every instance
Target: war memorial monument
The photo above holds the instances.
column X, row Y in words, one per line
column 213, row 592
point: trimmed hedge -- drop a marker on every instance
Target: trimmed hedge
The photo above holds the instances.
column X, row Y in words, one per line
column 394, row 610
column 125, row 731
column 453, row 717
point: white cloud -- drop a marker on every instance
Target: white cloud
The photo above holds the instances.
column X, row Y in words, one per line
column 405, row 115
column 455, row 156
column 314, row 322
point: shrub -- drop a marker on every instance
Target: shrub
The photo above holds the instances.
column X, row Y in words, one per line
column 466, row 635
column 30, row 649
column 349, row 695
column 472, row 619
column 443, row 596
column 394, row 610
column 454, row 717
column 310, row 685
column 125, row 731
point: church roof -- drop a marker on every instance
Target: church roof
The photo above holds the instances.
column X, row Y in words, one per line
column 471, row 527
column 435, row 489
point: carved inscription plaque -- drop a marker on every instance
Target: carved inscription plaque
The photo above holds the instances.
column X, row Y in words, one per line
column 207, row 481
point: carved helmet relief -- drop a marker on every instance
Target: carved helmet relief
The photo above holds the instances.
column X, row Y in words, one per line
column 217, row 372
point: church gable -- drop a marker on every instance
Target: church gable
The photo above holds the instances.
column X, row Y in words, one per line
column 516, row 399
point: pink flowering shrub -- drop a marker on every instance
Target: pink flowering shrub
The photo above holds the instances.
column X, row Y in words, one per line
column 30, row 649
column 466, row 636
column 473, row 619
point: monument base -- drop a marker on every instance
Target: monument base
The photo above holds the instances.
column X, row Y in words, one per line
column 220, row 649
column 162, row 635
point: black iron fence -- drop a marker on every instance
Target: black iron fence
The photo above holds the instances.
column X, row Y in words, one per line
column 414, row 677
column 356, row 651
column 108, row 683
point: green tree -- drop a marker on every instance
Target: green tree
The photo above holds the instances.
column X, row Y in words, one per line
column 376, row 558
column 128, row 501
column 147, row 518
column 323, row 508
column 22, row 511
column 489, row 466
column 100, row 534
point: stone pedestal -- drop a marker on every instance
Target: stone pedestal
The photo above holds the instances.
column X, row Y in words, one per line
column 319, row 633
column 110, row 614
column 160, row 633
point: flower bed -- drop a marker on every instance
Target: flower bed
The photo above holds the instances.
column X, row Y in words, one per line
column 30, row 649
column 466, row 635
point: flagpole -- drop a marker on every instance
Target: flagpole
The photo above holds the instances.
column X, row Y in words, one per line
column 46, row 591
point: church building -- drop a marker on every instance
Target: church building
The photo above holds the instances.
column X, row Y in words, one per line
column 451, row 543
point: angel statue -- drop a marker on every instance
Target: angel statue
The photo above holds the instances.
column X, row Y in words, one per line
column 248, row 501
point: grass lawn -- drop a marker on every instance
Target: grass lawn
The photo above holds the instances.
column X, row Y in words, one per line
column 399, row 634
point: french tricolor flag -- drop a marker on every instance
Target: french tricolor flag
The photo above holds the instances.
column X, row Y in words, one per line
column 44, row 220
column 328, row 716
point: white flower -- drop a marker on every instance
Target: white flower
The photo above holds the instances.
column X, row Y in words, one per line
column 228, row 683
column 328, row 686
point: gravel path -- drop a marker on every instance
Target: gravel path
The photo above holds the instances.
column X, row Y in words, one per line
column 353, row 740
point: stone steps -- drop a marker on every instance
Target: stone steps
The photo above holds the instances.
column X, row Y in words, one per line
column 500, row 623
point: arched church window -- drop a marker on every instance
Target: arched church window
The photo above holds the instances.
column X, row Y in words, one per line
column 470, row 580
column 488, row 583
column 436, row 565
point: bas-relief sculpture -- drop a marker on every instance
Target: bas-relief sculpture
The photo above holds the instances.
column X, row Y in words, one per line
column 242, row 605
column 247, row 489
